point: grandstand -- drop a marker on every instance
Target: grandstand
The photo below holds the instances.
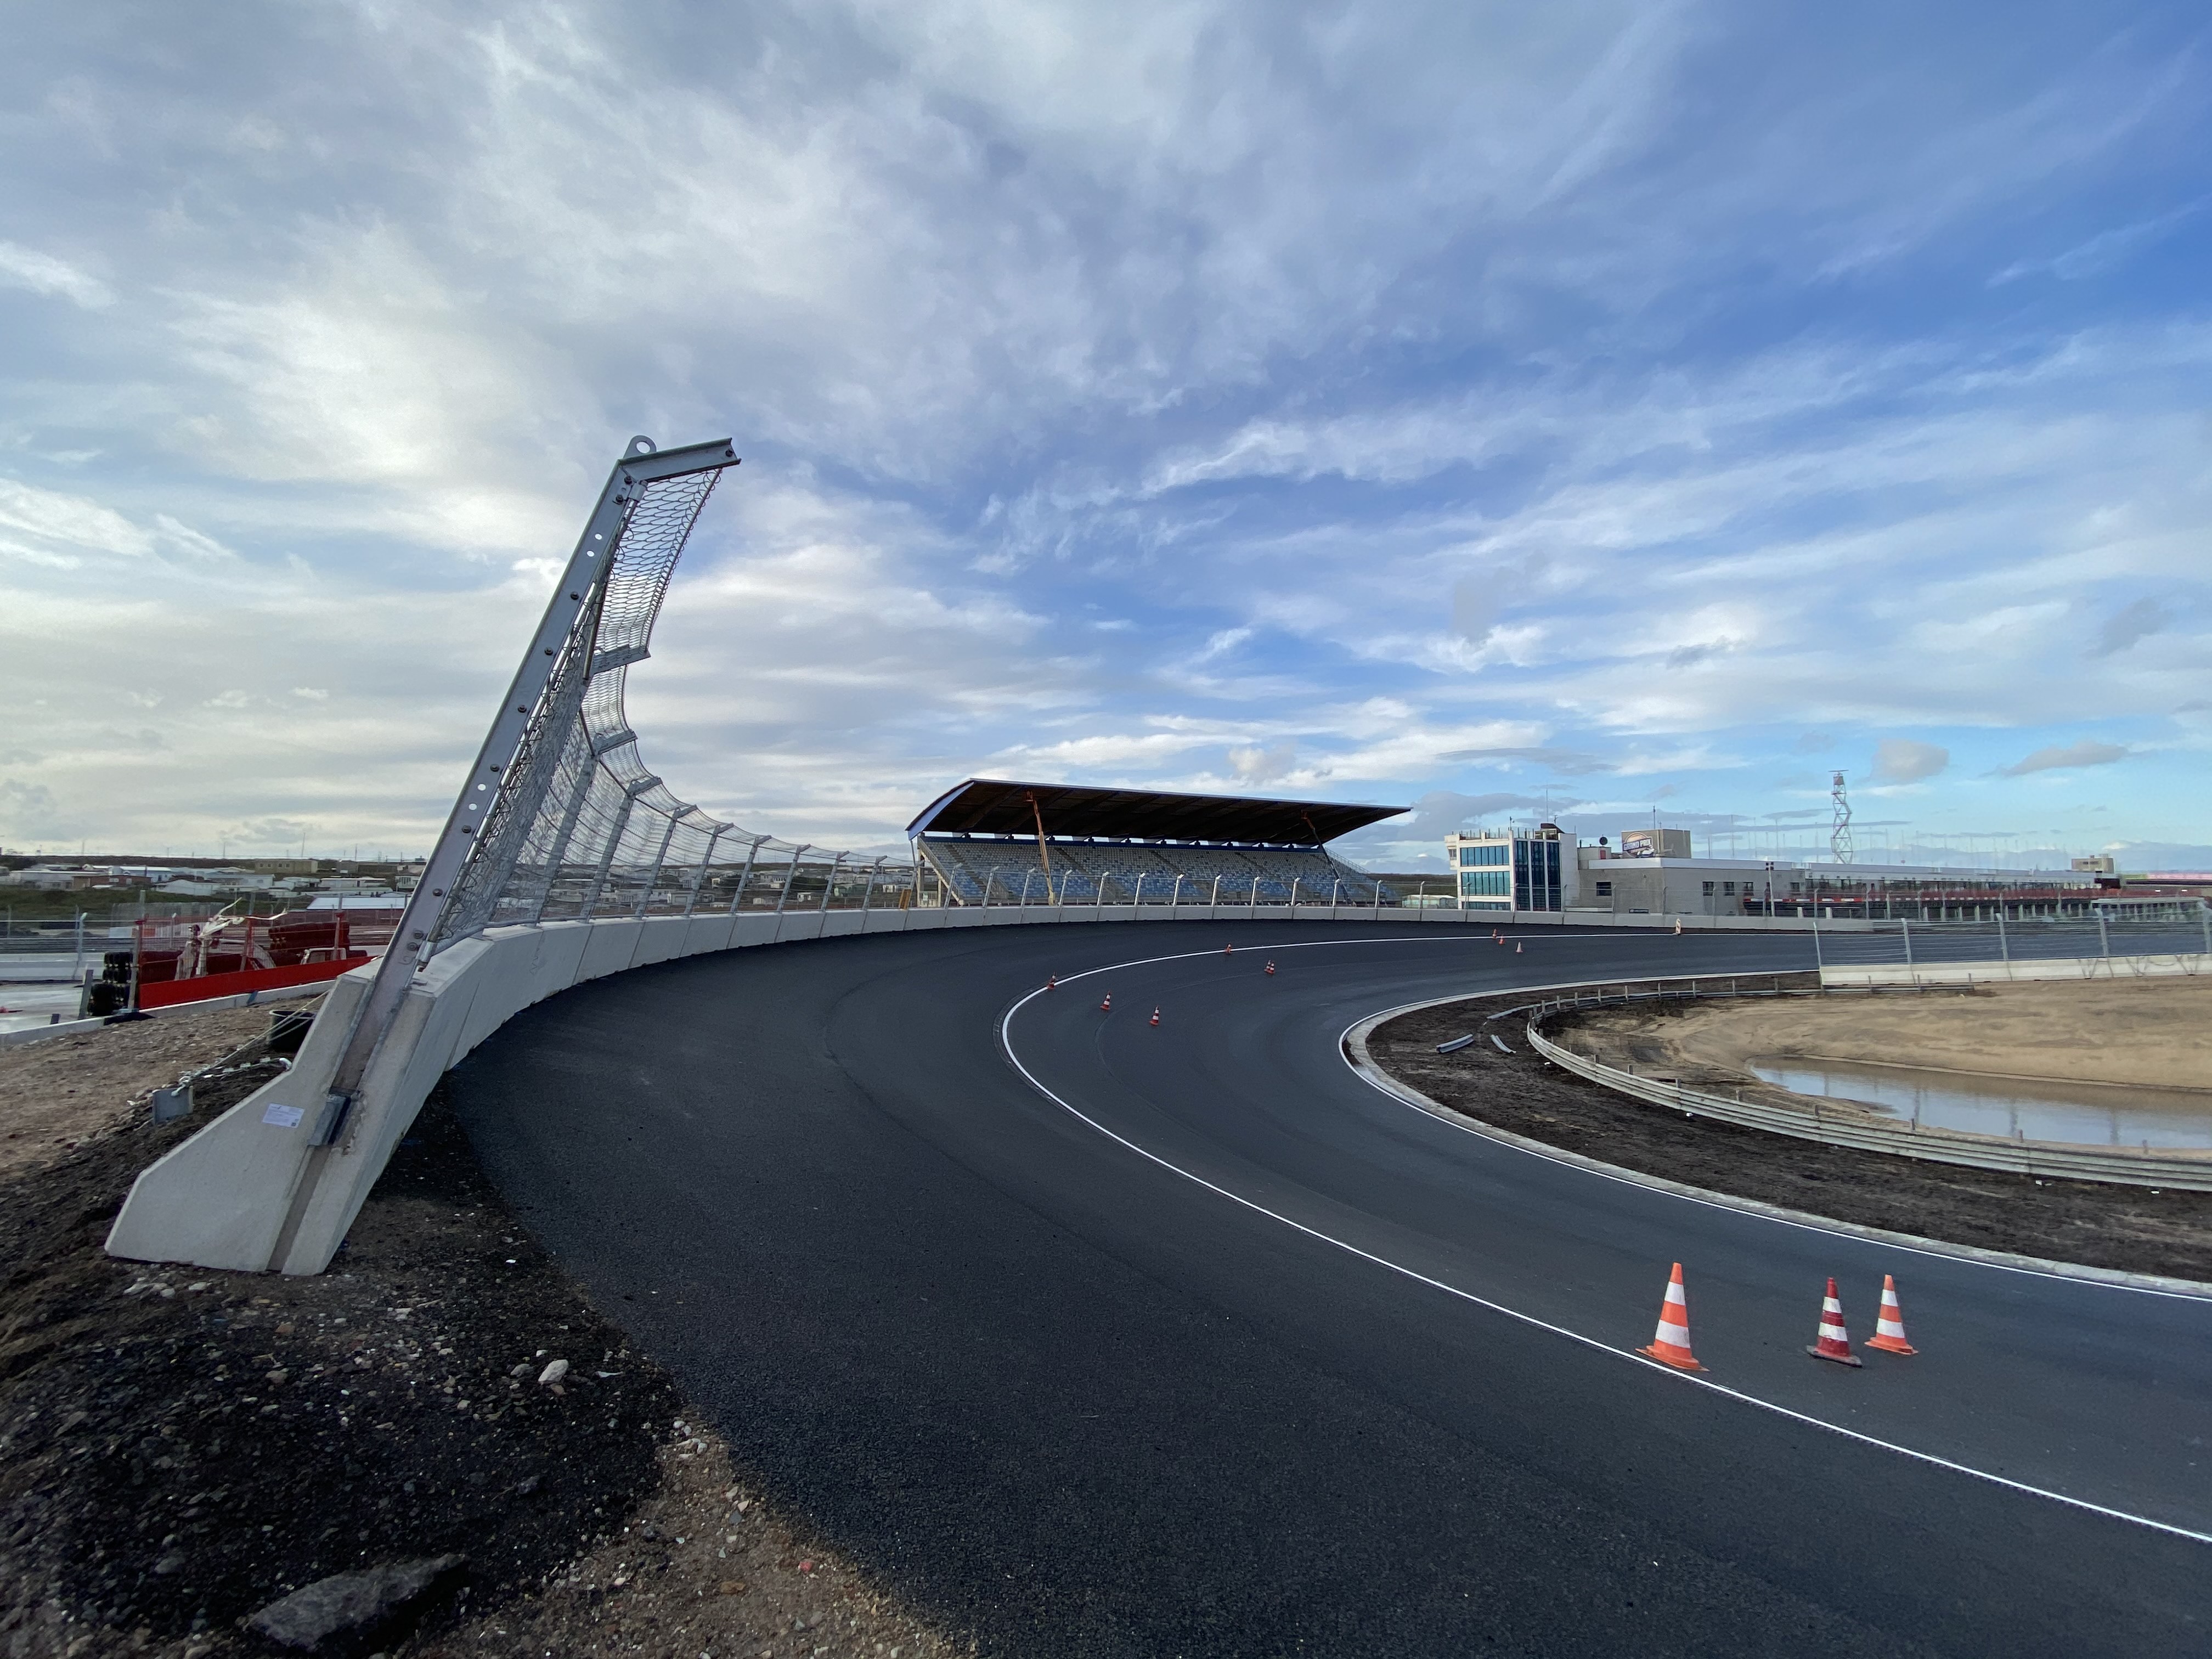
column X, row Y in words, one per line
column 992, row 842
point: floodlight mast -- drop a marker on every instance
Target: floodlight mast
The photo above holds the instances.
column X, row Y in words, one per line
column 574, row 607
column 1839, row 833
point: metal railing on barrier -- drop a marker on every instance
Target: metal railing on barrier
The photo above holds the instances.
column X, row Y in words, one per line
column 1850, row 1126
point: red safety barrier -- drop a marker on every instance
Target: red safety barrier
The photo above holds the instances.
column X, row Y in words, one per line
column 167, row 993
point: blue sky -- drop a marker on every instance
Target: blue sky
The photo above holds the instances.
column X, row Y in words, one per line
column 1604, row 408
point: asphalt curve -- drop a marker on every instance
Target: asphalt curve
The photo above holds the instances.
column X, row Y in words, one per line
column 1080, row 1402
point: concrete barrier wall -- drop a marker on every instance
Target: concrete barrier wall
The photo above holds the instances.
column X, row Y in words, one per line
column 250, row 1193
column 2002, row 973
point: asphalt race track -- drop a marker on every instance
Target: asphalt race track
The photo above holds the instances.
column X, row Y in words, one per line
column 1200, row 1344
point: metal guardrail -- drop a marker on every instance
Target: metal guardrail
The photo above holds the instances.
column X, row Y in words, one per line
column 2188, row 1171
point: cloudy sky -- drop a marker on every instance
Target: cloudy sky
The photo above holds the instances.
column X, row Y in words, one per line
column 1595, row 406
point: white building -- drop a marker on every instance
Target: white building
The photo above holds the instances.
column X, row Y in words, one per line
column 1650, row 872
column 1514, row 869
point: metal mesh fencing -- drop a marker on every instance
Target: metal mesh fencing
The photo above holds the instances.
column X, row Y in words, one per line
column 581, row 829
column 1905, row 944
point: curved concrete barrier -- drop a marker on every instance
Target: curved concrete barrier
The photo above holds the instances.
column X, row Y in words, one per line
column 260, row 1189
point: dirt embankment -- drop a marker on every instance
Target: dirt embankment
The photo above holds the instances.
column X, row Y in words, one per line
column 2142, row 1033
column 179, row 1449
column 65, row 1090
column 2132, row 1228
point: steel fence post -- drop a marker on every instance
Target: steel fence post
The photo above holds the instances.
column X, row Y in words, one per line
column 789, row 876
column 830, row 883
column 614, row 842
column 652, row 878
column 737, row 893
column 699, row 881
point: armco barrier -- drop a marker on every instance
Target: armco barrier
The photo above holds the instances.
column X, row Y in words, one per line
column 253, row 1192
column 2164, row 1167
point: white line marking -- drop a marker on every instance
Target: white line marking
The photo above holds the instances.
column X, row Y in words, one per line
column 1007, row 1042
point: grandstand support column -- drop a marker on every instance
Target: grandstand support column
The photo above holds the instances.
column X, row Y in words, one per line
column 737, row 894
column 699, row 880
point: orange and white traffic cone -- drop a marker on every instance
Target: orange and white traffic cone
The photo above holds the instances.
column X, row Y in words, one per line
column 1156, row 1016
column 1052, row 981
column 1227, row 949
column 1107, row 1006
column 1671, row 1346
column 1835, row 1343
column 1889, row 1325
column 1271, row 967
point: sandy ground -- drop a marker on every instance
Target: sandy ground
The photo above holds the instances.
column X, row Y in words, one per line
column 58, row 1093
column 2151, row 1033
column 179, row 1447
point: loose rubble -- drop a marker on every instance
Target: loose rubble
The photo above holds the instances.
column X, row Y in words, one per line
column 195, row 1465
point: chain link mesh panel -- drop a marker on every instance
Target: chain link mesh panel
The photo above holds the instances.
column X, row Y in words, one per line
column 581, row 828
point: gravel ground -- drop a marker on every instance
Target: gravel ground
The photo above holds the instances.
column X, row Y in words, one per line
column 2132, row 1228
column 65, row 1090
column 181, row 1447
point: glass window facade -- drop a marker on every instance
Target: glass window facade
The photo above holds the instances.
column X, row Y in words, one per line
column 1518, row 871
column 1535, row 874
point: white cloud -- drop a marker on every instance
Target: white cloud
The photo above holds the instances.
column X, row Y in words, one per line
column 1902, row 760
column 43, row 273
column 2068, row 756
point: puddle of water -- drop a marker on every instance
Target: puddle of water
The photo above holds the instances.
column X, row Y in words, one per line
column 2082, row 1113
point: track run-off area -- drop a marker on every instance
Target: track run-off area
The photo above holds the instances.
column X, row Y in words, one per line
column 1098, row 1337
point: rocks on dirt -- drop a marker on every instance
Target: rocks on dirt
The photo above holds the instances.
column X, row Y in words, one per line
column 348, row 1603
column 554, row 1371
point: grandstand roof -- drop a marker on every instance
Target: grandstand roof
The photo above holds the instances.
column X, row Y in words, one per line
column 995, row 807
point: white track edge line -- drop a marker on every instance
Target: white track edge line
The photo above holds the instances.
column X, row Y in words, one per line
column 1717, row 1202
column 1005, row 1041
